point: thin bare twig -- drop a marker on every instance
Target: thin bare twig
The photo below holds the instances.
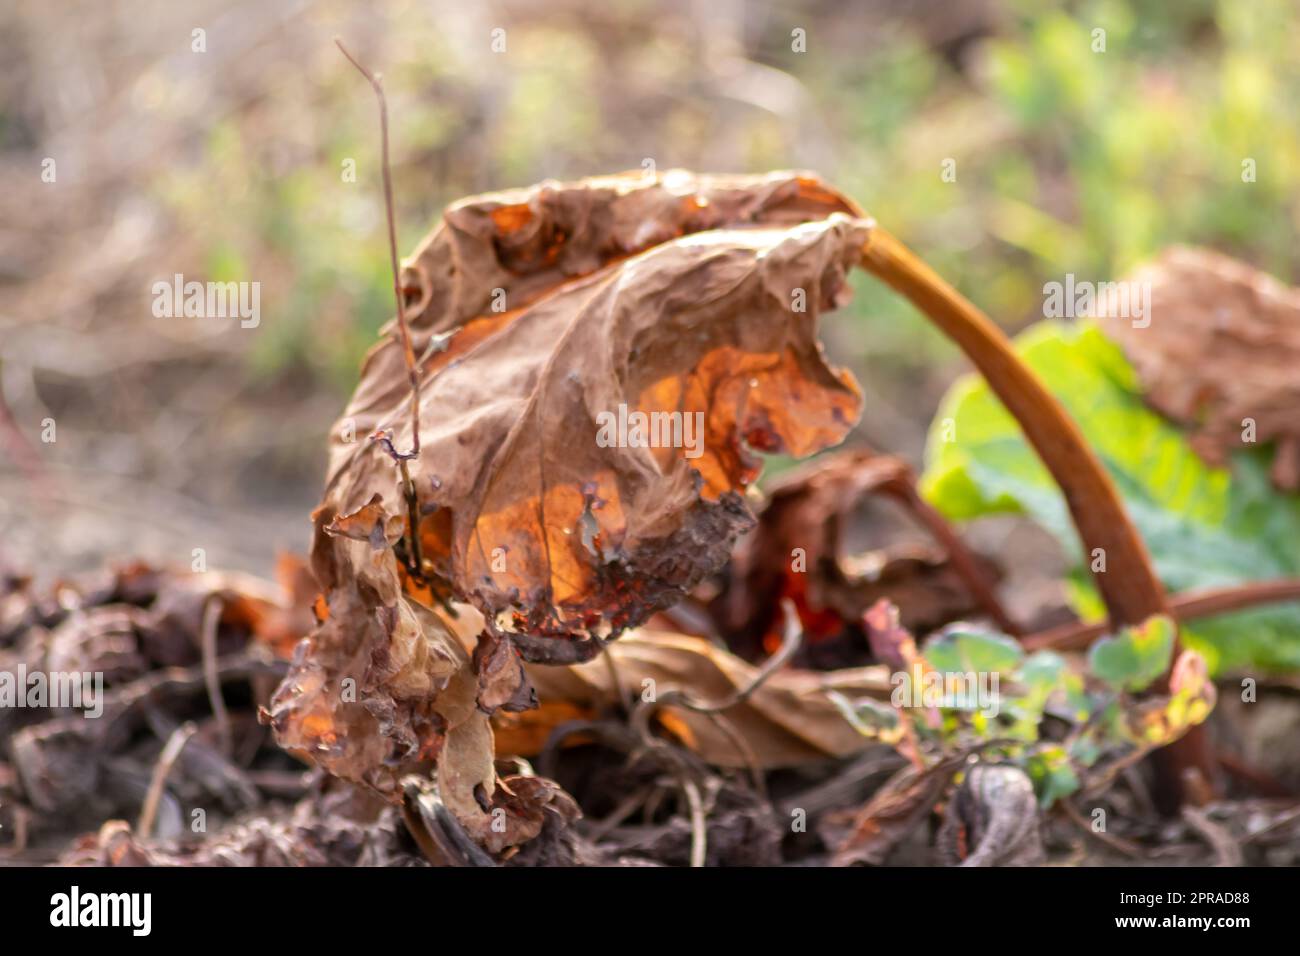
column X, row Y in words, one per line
column 626, row 807
column 789, row 647
column 166, row 760
column 699, row 829
column 640, row 722
column 1227, row 850
column 1261, row 781
column 211, row 621
column 415, row 563
column 1119, row 844
column 408, row 348
column 611, row 666
column 714, row 709
column 1285, row 819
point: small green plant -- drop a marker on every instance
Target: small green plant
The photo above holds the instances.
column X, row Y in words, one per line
column 1070, row 728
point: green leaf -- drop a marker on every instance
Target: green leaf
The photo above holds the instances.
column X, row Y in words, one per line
column 1052, row 774
column 1042, row 673
column 868, row 717
column 960, row 650
column 1204, row 526
column 1135, row 657
column 1042, row 676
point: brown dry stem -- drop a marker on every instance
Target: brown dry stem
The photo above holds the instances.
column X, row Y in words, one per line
column 1189, row 606
column 415, row 563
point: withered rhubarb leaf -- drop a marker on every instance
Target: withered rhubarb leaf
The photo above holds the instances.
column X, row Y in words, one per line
column 1218, row 350
column 798, row 552
column 382, row 687
column 789, row 720
column 600, row 361
column 553, row 327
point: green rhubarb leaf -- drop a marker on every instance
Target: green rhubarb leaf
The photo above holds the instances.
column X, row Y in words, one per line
column 1204, row 526
column 963, row 650
column 1052, row 774
column 1135, row 657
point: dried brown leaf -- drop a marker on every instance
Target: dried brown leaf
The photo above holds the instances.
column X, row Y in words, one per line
column 1223, row 345
column 805, row 518
column 673, row 294
column 788, row 720
column 381, row 686
column 534, row 312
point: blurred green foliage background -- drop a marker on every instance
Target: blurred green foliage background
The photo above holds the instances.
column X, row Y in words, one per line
column 1085, row 136
column 1068, row 157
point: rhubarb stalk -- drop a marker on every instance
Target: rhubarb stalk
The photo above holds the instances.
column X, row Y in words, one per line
column 1129, row 586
